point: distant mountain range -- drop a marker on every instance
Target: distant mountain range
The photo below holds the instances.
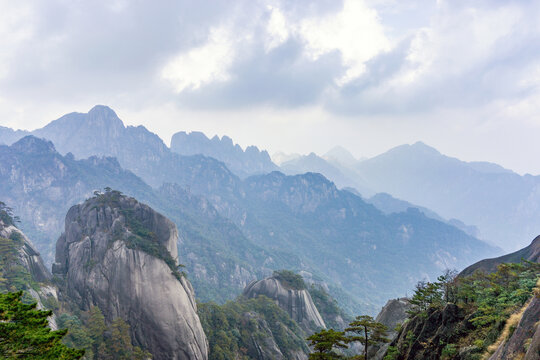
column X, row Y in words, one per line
column 252, row 161
column 504, row 206
column 232, row 230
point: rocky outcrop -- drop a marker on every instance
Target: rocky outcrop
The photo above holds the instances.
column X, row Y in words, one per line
column 29, row 257
column 392, row 314
column 262, row 344
column 524, row 343
column 120, row 255
column 297, row 303
column 425, row 338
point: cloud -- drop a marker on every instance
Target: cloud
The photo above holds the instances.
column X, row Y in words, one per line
column 351, row 58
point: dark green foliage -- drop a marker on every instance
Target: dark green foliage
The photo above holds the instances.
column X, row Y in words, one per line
column 485, row 302
column 24, row 332
column 325, row 342
column 289, row 279
column 232, row 328
column 13, row 275
column 368, row 332
column 101, row 341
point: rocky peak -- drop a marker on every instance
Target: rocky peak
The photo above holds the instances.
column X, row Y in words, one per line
column 120, row 255
column 33, row 145
column 291, row 296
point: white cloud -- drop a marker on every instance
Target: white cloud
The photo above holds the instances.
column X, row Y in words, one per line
column 204, row 64
column 356, row 32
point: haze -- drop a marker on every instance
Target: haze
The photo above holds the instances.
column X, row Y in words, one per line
column 462, row 76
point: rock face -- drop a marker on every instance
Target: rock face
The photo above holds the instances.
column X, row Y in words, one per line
column 392, row 314
column 264, row 347
column 424, row 339
column 114, row 255
column 29, row 257
column 297, row 303
column 525, row 340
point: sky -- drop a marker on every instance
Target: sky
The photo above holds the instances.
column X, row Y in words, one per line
column 292, row 76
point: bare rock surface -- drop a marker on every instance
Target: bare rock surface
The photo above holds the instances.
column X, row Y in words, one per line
column 114, row 255
column 297, row 303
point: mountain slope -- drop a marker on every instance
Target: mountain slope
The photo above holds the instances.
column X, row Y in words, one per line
column 529, row 253
column 503, row 205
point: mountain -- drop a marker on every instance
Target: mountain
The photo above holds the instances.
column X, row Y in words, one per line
column 503, row 205
column 341, row 175
column 241, row 162
column 529, row 253
column 41, row 185
column 342, row 156
column 347, row 240
column 9, row 136
column 121, row 256
column 235, row 230
column 389, row 205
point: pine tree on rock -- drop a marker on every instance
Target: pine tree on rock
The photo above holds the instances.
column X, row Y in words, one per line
column 368, row 333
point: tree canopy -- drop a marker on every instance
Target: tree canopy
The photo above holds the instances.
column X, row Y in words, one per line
column 25, row 332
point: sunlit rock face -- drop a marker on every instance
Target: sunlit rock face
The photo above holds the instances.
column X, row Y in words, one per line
column 102, row 267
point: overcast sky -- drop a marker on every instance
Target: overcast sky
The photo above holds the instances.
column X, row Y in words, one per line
column 292, row 76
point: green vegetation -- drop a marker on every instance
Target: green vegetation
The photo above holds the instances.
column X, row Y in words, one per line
column 289, row 279
column 363, row 329
column 99, row 340
column 24, row 332
column 325, row 342
column 141, row 238
column 233, row 328
column 13, row 275
column 485, row 301
column 368, row 332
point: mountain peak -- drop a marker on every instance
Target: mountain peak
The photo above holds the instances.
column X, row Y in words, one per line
column 102, row 110
column 420, row 146
column 33, row 145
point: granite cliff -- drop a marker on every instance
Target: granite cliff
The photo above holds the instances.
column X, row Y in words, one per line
column 295, row 300
column 120, row 255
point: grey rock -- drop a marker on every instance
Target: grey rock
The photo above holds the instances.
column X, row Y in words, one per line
column 526, row 330
column 28, row 255
column 297, row 303
column 101, row 270
column 392, row 314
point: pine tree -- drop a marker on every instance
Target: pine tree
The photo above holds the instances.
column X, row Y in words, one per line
column 24, row 332
column 324, row 343
column 368, row 332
